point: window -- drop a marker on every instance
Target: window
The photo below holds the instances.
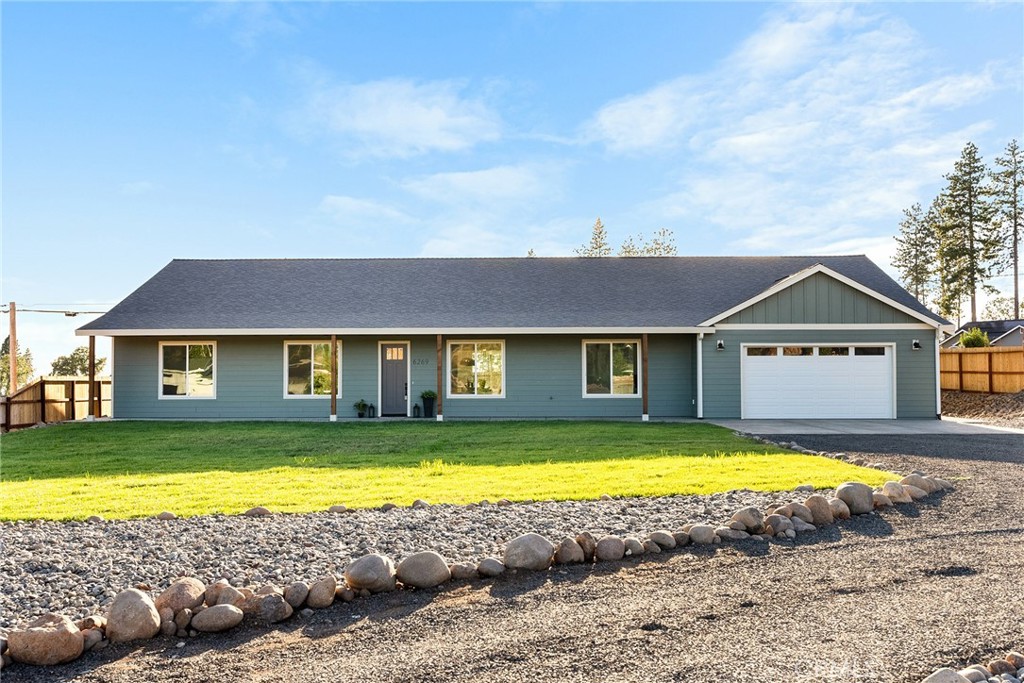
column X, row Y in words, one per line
column 308, row 369
column 476, row 368
column 187, row 370
column 762, row 351
column 833, row 351
column 611, row 368
column 869, row 351
column 797, row 350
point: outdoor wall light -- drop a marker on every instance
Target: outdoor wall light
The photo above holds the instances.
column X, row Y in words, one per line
column 720, row 345
column 916, row 345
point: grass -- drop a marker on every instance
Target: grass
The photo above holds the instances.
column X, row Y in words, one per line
column 136, row 469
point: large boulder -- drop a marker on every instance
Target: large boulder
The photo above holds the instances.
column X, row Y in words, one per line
column 529, row 551
column 840, row 510
column 610, row 548
column 946, row 676
column 48, row 640
column 295, row 594
column 423, row 570
column 801, row 511
column 915, row 492
column 702, row 534
column 217, row 618
column 926, row 484
column 821, row 513
column 273, row 608
column 132, row 616
column 183, row 593
column 895, row 492
column 750, row 517
column 375, row 573
column 588, row 543
column 857, row 497
column 569, row 552
column 664, row 539
column 490, row 567
column 321, row 593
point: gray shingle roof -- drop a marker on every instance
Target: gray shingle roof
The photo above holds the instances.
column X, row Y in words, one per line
column 453, row 293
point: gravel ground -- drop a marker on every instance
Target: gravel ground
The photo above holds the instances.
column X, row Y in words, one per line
column 883, row 598
column 1006, row 410
column 77, row 568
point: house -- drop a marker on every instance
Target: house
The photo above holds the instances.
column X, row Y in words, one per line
column 1000, row 333
column 626, row 338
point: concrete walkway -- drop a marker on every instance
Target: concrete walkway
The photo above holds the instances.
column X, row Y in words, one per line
column 944, row 426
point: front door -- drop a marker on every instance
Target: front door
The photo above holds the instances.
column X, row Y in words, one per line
column 394, row 379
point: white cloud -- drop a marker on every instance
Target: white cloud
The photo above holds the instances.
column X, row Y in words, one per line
column 399, row 117
column 249, row 21
column 498, row 184
column 362, row 213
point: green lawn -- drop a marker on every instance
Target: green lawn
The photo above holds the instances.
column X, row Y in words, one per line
column 133, row 469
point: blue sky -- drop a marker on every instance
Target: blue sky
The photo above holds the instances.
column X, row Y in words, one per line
column 134, row 133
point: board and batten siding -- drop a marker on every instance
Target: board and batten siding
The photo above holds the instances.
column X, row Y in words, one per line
column 543, row 378
column 819, row 299
column 915, row 370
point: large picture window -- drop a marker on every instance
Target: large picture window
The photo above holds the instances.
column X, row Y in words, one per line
column 188, row 370
column 611, row 368
column 308, row 369
column 476, row 368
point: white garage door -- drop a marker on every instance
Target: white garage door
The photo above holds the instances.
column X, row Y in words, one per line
column 817, row 381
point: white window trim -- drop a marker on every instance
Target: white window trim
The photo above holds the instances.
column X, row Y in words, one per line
column 891, row 347
column 160, row 370
column 639, row 367
column 448, row 367
column 307, row 342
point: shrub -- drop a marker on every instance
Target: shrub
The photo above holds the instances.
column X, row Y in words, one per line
column 974, row 338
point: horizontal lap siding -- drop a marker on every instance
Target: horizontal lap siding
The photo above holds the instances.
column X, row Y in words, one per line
column 543, row 377
column 915, row 370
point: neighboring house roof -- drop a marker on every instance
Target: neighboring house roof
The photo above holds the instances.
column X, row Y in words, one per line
column 1014, row 336
column 995, row 329
column 466, row 293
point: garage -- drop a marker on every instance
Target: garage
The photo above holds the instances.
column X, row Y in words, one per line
column 812, row 381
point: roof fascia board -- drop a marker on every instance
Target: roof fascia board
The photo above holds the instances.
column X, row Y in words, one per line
column 278, row 331
column 791, row 280
column 824, row 326
column 1008, row 332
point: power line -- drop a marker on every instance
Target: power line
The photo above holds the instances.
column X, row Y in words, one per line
column 70, row 314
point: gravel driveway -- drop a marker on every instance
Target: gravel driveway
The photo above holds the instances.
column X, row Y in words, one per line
column 883, row 598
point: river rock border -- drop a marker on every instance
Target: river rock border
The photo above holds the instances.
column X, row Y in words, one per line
column 1010, row 669
column 188, row 607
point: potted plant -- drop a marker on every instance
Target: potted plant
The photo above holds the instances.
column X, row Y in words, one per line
column 360, row 407
column 429, row 399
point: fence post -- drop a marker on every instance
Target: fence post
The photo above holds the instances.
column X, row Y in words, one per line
column 69, row 395
column 92, row 377
column 42, row 400
column 960, row 371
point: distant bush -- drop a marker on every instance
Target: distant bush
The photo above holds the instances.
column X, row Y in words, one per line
column 974, row 338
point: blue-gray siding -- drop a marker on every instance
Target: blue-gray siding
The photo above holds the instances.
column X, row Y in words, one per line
column 820, row 299
column 543, row 378
column 915, row 370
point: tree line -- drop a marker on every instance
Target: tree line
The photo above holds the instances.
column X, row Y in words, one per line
column 74, row 364
column 970, row 233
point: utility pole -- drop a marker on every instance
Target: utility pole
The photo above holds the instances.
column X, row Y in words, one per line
column 13, row 351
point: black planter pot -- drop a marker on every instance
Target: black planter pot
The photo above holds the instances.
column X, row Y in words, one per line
column 428, row 406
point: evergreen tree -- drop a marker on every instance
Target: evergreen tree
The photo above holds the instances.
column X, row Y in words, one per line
column 598, row 245
column 1000, row 308
column 1008, row 197
column 25, row 369
column 950, row 292
column 915, row 256
column 968, row 238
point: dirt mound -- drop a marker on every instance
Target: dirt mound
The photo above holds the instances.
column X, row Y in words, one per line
column 998, row 409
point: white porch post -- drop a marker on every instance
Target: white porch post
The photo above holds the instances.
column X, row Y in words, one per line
column 700, row 375
column 938, row 377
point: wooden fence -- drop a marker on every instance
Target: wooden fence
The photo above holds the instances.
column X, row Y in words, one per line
column 54, row 399
column 990, row 370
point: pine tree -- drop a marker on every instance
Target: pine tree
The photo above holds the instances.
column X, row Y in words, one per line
column 1008, row 197
column 598, row 242
column 950, row 292
column 915, row 256
column 969, row 237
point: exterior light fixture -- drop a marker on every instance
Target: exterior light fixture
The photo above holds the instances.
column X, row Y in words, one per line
column 916, row 345
column 720, row 345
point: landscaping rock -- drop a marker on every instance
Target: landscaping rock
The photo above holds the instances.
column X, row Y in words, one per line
column 47, row 640
column 296, row 593
column 857, row 497
column 214, row 589
column 974, row 675
column 166, row 516
column 914, row 492
column 132, row 616
column 337, row 508
column 529, row 551
column 387, row 507
column 187, row 592
column 94, row 621
column 258, row 511
column 1016, row 659
column 682, row 538
column 269, row 589
column 610, row 548
column 924, row 483
column 880, row 500
column 490, row 567
column 895, row 492
column 94, row 519
column 91, row 637
column 321, row 593
column 1000, row 666
column 375, row 573
column 750, row 517
column 777, row 524
column 840, row 510
column 945, row 676
column 633, row 546
column 821, row 513
column 663, row 539
column 801, row 511
column 345, row 594
column 800, row 526
column 728, row 534
column 738, row 526
column 569, row 552
column 167, row 626
column 588, row 543
column 273, row 608
column 464, row 571
column 217, row 618
column 702, row 534
column 228, row 595
column 423, row 570
column 183, row 618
